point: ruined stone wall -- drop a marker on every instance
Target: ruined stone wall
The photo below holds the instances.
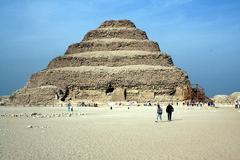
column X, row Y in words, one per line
column 34, row 96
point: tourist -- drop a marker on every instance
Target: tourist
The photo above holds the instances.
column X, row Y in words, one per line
column 159, row 113
column 69, row 107
column 169, row 111
column 236, row 104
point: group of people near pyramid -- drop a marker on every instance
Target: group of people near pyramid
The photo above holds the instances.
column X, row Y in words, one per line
column 169, row 111
column 237, row 104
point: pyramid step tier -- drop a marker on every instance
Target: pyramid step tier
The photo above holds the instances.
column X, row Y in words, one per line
column 111, row 58
column 123, row 33
column 112, row 45
column 117, row 24
column 142, row 77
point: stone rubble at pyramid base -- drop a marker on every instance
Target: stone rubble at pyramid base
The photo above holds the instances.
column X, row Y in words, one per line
column 47, row 96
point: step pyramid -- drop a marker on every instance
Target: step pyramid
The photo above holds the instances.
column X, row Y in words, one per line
column 115, row 62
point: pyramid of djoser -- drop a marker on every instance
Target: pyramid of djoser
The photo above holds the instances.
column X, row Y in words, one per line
column 115, row 62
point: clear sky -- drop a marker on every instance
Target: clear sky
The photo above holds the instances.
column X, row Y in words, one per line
column 202, row 36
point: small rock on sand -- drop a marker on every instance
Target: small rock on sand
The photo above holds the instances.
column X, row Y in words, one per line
column 29, row 126
column 34, row 114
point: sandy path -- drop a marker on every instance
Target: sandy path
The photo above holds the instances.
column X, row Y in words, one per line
column 120, row 133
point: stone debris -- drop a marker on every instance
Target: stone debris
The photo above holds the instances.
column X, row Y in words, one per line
column 4, row 100
column 41, row 127
column 29, row 126
column 40, row 115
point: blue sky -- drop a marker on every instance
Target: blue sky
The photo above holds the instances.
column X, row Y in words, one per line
column 202, row 36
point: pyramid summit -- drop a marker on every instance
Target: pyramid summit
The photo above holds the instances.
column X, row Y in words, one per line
column 117, row 24
column 114, row 36
column 114, row 62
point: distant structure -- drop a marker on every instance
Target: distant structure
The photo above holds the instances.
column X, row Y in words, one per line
column 227, row 99
column 115, row 62
column 197, row 94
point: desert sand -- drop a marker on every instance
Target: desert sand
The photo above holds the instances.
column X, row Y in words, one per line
column 122, row 133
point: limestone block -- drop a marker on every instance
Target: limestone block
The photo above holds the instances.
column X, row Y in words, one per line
column 147, row 95
column 183, row 92
column 118, row 94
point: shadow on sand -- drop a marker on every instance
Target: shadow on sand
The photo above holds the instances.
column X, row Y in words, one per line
column 168, row 121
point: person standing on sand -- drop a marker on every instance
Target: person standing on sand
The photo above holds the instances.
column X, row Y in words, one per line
column 169, row 111
column 69, row 107
column 159, row 113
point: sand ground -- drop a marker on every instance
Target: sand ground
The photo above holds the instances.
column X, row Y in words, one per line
column 101, row 133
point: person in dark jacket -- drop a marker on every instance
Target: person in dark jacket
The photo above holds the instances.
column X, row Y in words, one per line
column 169, row 111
